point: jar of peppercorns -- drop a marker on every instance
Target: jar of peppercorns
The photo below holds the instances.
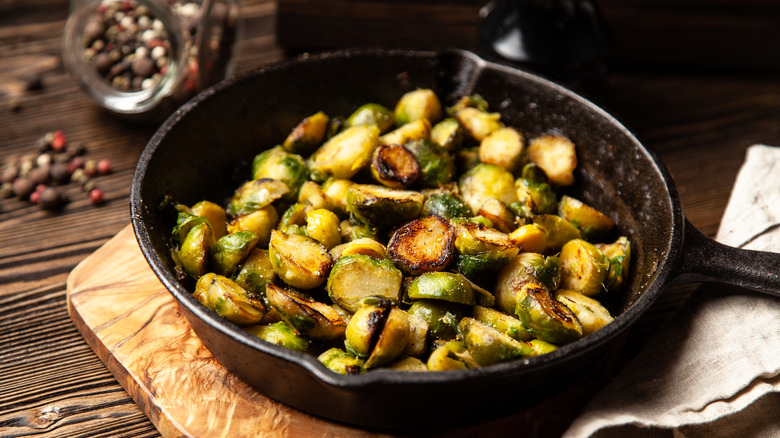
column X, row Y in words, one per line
column 147, row 57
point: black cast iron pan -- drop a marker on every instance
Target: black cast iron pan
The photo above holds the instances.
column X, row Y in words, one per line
column 194, row 155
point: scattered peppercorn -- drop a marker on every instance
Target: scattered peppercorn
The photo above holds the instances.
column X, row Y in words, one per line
column 104, row 167
column 51, row 199
column 23, row 187
column 96, row 196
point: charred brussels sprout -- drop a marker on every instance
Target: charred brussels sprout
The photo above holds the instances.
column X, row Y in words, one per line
column 423, row 245
column 536, row 196
column 619, row 255
column 416, row 130
column 356, row 277
column 280, row 165
column 445, row 205
column 379, row 333
column 499, row 214
column 478, row 123
column 482, row 249
column 556, row 155
column 382, row 207
column 364, row 246
column 485, row 181
column 503, row 147
column 260, row 222
column 445, row 286
column 256, row 194
column 488, row 345
column 299, row 261
column 310, row 318
column 442, row 317
column 559, row 230
column 593, row 224
column 344, row 154
column 546, row 318
column 584, row 267
column 230, row 250
column 371, row 114
column 417, row 105
column 256, row 272
column 312, row 194
column 448, row 134
column 436, row 165
column 281, row 334
column 502, row 322
column 215, row 214
column 394, row 166
column 591, row 313
column 308, row 134
column 526, row 268
column 530, row 237
column 451, row 355
column 194, row 251
column 341, row 362
column 229, row 300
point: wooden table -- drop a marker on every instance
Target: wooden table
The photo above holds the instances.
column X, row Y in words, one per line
column 700, row 121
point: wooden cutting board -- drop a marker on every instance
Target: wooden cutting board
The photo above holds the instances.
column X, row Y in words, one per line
column 134, row 325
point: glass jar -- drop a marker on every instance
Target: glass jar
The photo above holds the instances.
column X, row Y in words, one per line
column 147, row 57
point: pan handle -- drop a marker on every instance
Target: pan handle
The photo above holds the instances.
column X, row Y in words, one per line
column 705, row 260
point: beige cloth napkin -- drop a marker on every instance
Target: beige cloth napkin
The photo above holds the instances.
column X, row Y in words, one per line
column 713, row 369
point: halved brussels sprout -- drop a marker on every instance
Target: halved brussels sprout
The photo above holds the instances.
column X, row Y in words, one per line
column 477, row 122
column 278, row 164
column 593, row 224
column 299, row 261
column 482, row 249
column 380, row 333
column 416, row 105
column 591, row 313
column 364, row 246
column 488, row 345
column 500, row 215
column 312, row 194
column 485, row 181
column 194, row 251
column 506, row 324
column 341, row 362
column 436, row 164
column 503, row 147
column 530, row 238
column 215, row 214
column 382, row 207
column 229, row 300
column 527, row 267
column 619, row 255
column 256, row 194
column 336, row 191
column 445, row 286
column 559, row 230
column 556, row 155
column 416, row 130
column 371, row 113
column 313, row 319
column 533, row 172
column 323, row 226
column 538, row 196
column 451, row 355
column 308, row 134
column 423, row 245
column 448, row 134
column 542, row 347
column 418, row 335
column 260, row 222
column 185, row 221
column 408, row 363
column 445, row 205
column 442, row 317
column 344, row 154
column 584, row 267
column 546, row 318
column 230, row 250
column 256, row 272
column 281, row 334
column 356, row 277
column 394, row 166
column 352, row 229
column 471, row 101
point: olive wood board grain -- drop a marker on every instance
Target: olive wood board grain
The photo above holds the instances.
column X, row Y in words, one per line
column 134, row 325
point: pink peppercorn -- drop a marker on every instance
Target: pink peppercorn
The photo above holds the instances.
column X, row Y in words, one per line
column 96, row 196
column 104, row 167
column 58, row 141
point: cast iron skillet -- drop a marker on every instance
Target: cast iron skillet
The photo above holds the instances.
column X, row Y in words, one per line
column 194, row 156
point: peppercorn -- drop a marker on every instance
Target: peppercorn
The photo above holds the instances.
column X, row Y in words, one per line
column 23, row 187
column 104, row 167
column 59, row 173
column 50, row 198
column 96, row 196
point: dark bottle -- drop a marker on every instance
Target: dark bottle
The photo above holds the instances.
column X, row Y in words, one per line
column 560, row 39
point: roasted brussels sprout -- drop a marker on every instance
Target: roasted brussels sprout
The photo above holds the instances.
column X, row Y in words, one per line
column 379, row 333
column 256, row 272
column 591, row 313
column 364, row 246
column 394, row 166
column 336, row 191
column 537, row 196
column 308, row 134
column 423, row 245
column 308, row 317
column 341, row 362
column 445, row 205
column 229, row 300
column 503, row 147
column 323, row 226
column 356, row 277
column 313, row 195
column 344, row 154
column 445, row 286
column 488, row 345
column 382, row 207
column 584, row 267
column 299, row 261
column 556, row 155
column 281, row 334
column 436, row 165
column 482, row 249
column 545, row 317
column 280, row 165
column 185, row 221
column 448, row 134
column 371, row 114
column 592, row 223
column 477, row 122
column 502, row 322
column 256, row 194
column 499, row 214
column 442, row 317
column 230, row 250
column 260, row 222
column 530, row 238
column 408, row 363
column 526, row 268
column 619, row 255
column 215, row 214
column 558, row 231
column 195, row 250
column 485, row 181
column 416, row 130
column 352, row 229
column 452, row 355
column 416, row 105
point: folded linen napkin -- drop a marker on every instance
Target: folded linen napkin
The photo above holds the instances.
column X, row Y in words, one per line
column 713, row 369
